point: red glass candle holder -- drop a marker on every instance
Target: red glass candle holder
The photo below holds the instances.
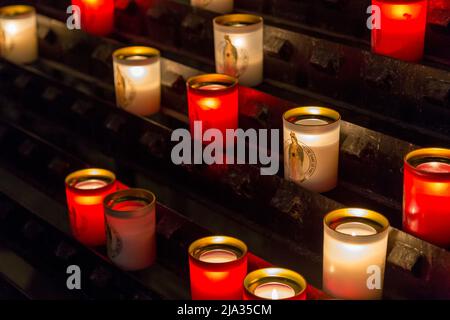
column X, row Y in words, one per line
column 274, row 284
column 426, row 197
column 217, row 266
column 213, row 100
column 97, row 16
column 402, row 32
column 85, row 191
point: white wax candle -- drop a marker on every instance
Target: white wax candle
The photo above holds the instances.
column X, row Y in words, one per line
column 311, row 147
column 239, row 52
column 91, row 184
column 219, row 6
column 218, row 256
column 354, row 254
column 18, row 34
column 356, row 229
column 274, row 291
column 131, row 232
column 137, row 75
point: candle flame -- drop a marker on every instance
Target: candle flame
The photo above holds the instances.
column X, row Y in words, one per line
column 209, row 103
column 11, row 28
column 238, row 42
column 404, row 11
column 275, row 294
column 88, row 201
column 137, row 72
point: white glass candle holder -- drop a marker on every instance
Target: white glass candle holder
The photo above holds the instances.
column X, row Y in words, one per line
column 219, row 6
column 311, row 147
column 354, row 253
column 238, row 42
column 137, row 77
column 131, row 228
column 18, row 34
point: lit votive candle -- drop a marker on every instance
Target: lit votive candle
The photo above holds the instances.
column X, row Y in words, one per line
column 18, row 34
column 311, row 147
column 238, row 42
column 137, row 76
column 85, row 191
column 97, row 16
column 354, row 254
column 274, row 284
column 213, row 100
column 131, row 228
column 426, row 199
column 219, row 6
column 402, row 32
column 217, row 266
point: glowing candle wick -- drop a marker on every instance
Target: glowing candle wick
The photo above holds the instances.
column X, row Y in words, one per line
column 274, row 291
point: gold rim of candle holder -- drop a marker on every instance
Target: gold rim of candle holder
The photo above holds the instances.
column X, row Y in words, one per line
column 87, row 174
column 328, row 113
column 217, row 242
column 427, row 152
column 280, row 275
column 229, row 22
column 133, row 194
column 379, row 222
column 196, row 83
column 16, row 11
column 150, row 54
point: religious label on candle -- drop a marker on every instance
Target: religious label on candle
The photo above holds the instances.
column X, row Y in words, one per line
column 311, row 147
column 137, row 77
column 97, row 16
column 219, row 6
column 354, row 253
column 213, row 99
column 217, row 267
column 426, row 199
column 402, row 29
column 238, row 42
column 18, row 34
column 131, row 228
column 85, row 190
column 274, row 284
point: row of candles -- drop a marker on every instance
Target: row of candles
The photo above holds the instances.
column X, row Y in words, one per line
column 311, row 149
column 398, row 31
column 311, row 134
column 104, row 211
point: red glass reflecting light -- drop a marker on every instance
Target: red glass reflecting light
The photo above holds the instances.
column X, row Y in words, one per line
column 402, row 33
column 426, row 199
column 85, row 191
column 218, row 266
column 97, row 16
column 213, row 99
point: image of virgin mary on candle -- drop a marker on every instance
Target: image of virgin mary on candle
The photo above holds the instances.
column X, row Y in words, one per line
column 4, row 46
column 114, row 242
column 296, row 159
column 125, row 91
column 234, row 60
